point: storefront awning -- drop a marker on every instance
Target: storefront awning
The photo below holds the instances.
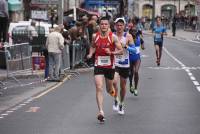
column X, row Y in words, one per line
column 14, row 5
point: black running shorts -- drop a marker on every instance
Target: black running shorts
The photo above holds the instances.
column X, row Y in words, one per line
column 123, row 72
column 107, row 72
column 160, row 43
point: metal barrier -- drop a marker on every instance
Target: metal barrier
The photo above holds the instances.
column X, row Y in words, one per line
column 65, row 58
column 18, row 59
column 78, row 53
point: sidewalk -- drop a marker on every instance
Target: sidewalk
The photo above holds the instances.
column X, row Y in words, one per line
column 180, row 35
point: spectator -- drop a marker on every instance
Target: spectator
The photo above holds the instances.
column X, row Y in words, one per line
column 4, row 20
column 32, row 31
column 92, row 26
column 174, row 26
column 55, row 45
column 76, row 31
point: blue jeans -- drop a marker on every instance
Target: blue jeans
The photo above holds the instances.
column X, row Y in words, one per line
column 46, row 71
column 54, row 65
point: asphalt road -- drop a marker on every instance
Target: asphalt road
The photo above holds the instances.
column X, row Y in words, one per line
column 168, row 101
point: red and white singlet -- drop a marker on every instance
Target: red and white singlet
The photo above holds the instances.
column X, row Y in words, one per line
column 102, row 59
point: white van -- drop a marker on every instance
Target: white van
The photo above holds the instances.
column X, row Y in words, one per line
column 41, row 27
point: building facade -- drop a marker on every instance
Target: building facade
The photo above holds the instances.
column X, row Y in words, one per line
column 167, row 8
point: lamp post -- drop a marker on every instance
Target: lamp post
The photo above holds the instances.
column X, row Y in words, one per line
column 189, row 10
column 60, row 11
column 153, row 11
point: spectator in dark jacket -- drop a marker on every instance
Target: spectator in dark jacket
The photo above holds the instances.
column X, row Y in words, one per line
column 4, row 16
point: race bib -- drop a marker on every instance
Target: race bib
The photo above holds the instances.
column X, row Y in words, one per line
column 158, row 36
column 119, row 57
column 104, row 61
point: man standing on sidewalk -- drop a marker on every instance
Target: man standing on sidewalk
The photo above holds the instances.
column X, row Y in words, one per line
column 54, row 45
column 3, row 20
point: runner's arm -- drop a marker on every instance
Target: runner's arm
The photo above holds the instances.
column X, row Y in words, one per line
column 118, row 45
column 164, row 31
column 130, row 44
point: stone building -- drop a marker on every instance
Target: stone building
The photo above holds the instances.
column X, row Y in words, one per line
column 167, row 8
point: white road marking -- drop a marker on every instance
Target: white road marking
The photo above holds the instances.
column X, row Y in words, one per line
column 196, row 83
column 190, row 74
column 4, row 114
column 144, row 56
column 187, row 69
column 192, row 78
column 198, row 88
column 9, row 111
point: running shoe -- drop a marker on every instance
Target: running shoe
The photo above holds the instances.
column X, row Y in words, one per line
column 135, row 92
column 121, row 109
column 158, row 62
column 115, row 105
column 132, row 89
column 101, row 118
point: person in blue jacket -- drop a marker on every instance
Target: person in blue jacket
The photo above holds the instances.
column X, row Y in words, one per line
column 159, row 31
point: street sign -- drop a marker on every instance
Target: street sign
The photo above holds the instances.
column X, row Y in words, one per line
column 39, row 15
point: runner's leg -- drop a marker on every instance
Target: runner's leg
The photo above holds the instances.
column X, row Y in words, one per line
column 110, row 87
column 99, row 91
column 131, row 75
column 123, row 89
column 157, row 53
column 160, row 52
column 136, row 72
column 115, row 84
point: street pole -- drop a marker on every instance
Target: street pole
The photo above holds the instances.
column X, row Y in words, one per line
column 153, row 11
column 60, row 11
column 179, row 6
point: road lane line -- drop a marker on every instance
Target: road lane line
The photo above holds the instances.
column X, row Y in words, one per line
column 4, row 114
column 196, row 83
column 193, row 79
column 190, row 74
column 9, row 111
column 198, row 88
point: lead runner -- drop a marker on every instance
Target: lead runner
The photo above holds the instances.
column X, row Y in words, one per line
column 104, row 45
